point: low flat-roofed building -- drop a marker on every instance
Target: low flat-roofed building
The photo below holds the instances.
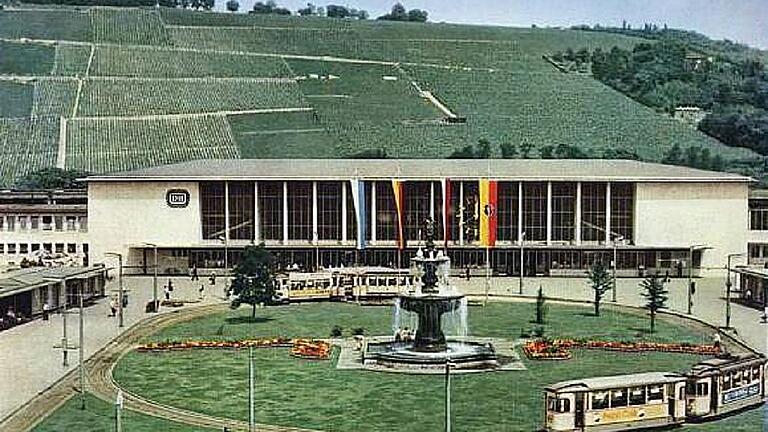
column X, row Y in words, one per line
column 561, row 214
column 43, row 226
column 26, row 290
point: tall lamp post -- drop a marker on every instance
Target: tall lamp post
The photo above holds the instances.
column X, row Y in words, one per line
column 522, row 263
column 728, row 286
column 448, row 365
column 154, row 279
column 616, row 240
column 223, row 239
column 119, row 287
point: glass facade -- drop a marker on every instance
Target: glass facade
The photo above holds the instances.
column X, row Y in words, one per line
column 417, row 208
column 593, row 212
column 622, row 210
column 212, row 209
column 386, row 212
column 563, row 211
column 271, row 210
column 241, row 196
column 300, row 211
column 351, row 213
column 535, row 211
column 329, row 210
column 507, row 212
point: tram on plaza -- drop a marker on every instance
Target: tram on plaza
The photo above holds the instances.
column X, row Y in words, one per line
column 616, row 403
column 713, row 388
column 719, row 386
column 343, row 283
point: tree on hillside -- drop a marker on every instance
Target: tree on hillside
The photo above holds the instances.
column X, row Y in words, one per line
column 508, row 150
column 51, row 178
column 399, row 13
column 674, row 155
column 655, row 294
column 600, row 282
column 310, row 10
column 254, row 283
column 269, row 8
column 417, row 15
column 233, row 5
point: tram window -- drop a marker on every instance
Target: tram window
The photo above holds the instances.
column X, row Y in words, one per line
column 637, row 396
column 702, row 389
column 559, row 405
column 726, row 381
column 618, row 398
column 682, row 393
column 756, row 373
column 737, row 379
column 599, row 400
column 655, row 393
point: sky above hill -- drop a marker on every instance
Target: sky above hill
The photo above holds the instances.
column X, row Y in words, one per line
column 740, row 20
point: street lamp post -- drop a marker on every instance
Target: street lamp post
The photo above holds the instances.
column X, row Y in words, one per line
column 448, row 365
column 251, row 404
column 728, row 286
column 119, row 287
column 154, row 279
column 81, row 360
column 522, row 263
column 616, row 240
column 223, row 239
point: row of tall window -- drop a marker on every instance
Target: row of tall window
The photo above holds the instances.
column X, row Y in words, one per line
column 26, row 248
column 421, row 200
column 60, row 223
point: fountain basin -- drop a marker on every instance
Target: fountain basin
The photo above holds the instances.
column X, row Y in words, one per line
column 464, row 355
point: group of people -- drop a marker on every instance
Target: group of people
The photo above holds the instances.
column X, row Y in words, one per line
column 11, row 319
column 404, row 335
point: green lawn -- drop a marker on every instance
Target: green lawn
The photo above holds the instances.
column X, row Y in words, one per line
column 99, row 416
column 295, row 392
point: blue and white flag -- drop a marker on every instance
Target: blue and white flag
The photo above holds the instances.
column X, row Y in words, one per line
column 358, row 198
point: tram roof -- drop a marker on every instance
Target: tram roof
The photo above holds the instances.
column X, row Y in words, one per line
column 422, row 169
column 617, row 381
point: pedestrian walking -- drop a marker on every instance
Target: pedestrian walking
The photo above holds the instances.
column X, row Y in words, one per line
column 213, row 278
column 193, row 272
column 201, row 291
column 167, row 293
column 113, row 306
column 46, row 311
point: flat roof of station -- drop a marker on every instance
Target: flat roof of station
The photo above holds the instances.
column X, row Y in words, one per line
column 21, row 280
column 427, row 169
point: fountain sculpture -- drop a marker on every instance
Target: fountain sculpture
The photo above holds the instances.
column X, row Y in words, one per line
column 431, row 299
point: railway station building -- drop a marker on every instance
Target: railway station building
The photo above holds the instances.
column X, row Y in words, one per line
column 560, row 215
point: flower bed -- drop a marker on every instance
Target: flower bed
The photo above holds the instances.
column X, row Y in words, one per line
column 311, row 349
column 559, row 349
column 256, row 343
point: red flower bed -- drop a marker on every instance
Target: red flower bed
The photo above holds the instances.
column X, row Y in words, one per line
column 310, row 349
column 558, row 349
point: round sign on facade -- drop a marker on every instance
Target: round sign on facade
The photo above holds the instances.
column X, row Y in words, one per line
column 177, row 198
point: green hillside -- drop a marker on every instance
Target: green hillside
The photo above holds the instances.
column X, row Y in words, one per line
column 105, row 89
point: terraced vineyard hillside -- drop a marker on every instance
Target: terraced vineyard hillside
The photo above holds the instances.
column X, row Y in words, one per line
column 104, row 89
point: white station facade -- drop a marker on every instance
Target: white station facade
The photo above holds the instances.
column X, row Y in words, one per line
column 561, row 215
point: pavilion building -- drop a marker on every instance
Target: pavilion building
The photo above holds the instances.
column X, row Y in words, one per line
column 561, row 215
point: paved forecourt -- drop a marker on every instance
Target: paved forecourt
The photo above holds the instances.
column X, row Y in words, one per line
column 31, row 364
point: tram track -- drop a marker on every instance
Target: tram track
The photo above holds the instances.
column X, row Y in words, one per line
column 101, row 383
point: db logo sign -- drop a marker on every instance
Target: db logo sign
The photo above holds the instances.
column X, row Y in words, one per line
column 177, row 198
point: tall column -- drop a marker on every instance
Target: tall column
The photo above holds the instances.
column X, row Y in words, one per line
column 285, row 212
column 608, row 213
column 432, row 200
column 373, row 211
column 461, row 213
column 344, row 212
column 549, row 212
column 577, row 215
column 226, row 210
column 256, row 217
column 519, row 212
column 315, row 233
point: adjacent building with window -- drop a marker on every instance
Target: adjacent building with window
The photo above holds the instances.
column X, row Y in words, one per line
column 52, row 221
column 562, row 215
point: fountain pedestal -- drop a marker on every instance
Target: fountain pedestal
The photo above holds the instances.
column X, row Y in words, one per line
column 430, row 309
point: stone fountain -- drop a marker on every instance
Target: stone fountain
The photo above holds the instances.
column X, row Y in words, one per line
column 431, row 299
